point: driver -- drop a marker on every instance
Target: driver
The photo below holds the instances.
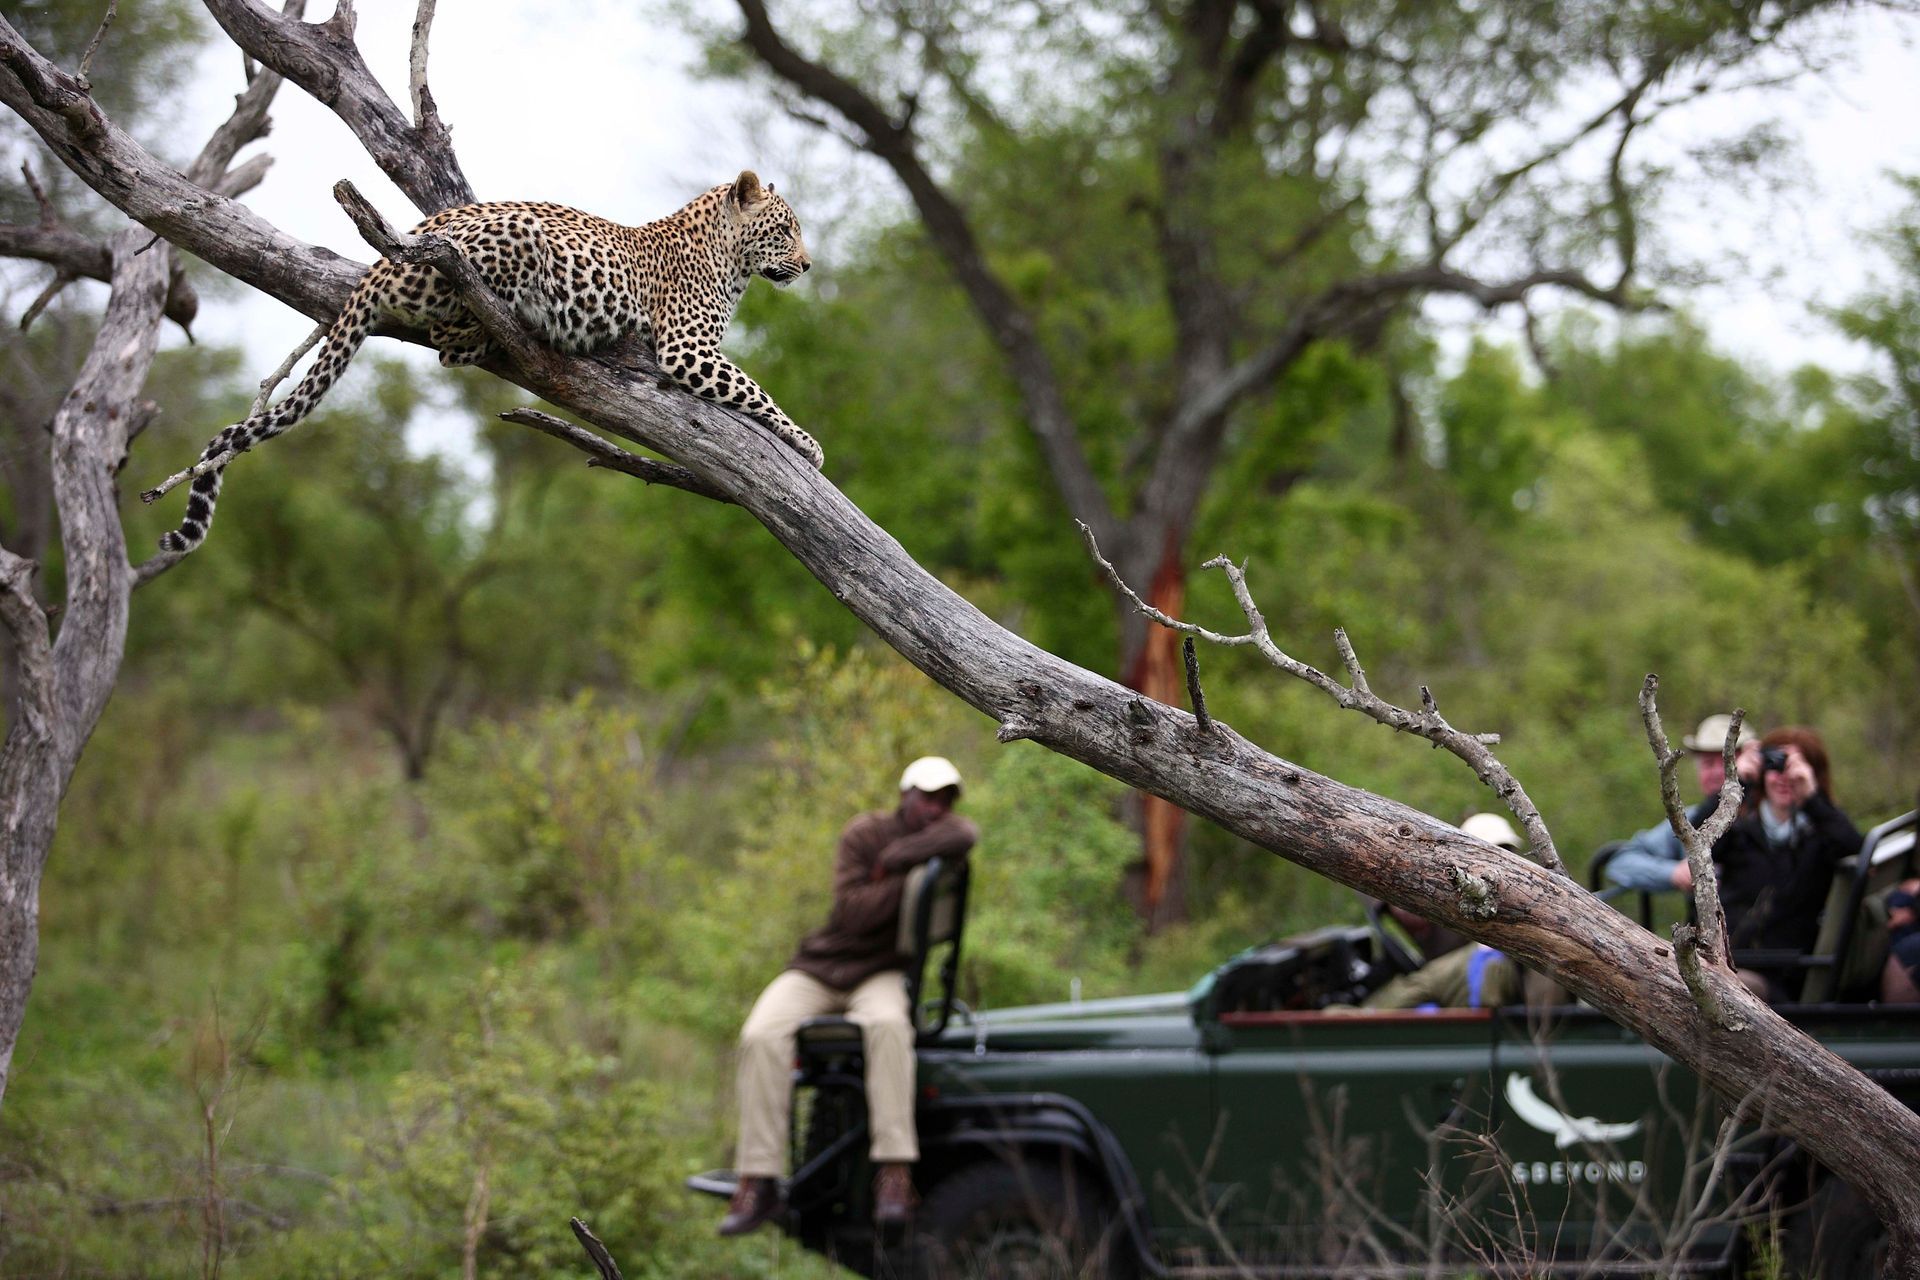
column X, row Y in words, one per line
column 850, row 966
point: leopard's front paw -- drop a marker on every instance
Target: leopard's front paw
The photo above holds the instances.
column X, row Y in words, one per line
column 806, row 446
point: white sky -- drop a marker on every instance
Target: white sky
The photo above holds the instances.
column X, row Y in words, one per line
column 589, row 103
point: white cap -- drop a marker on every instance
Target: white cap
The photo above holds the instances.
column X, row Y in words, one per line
column 1711, row 736
column 930, row 773
column 1492, row 828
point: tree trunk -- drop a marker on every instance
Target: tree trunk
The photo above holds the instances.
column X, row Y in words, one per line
column 1155, row 669
column 65, row 684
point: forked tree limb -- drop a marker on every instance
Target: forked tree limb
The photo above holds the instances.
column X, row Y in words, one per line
column 322, row 59
column 1697, row 843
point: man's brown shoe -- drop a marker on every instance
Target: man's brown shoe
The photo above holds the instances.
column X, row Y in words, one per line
column 755, row 1201
column 893, row 1197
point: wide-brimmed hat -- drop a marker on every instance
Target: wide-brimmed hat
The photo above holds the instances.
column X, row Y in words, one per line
column 1711, row 736
column 930, row 774
column 1494, row 829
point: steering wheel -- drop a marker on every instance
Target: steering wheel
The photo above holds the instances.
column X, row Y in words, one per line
column 1395, row 954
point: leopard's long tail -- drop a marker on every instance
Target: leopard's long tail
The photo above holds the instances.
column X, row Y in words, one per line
column 342, row 341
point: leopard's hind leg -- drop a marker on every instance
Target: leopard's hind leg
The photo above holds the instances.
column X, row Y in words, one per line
column 460, row 341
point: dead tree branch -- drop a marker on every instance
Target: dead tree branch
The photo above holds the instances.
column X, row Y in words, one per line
column 323, row 60
column 1199, row 698
column 93, row 45
column 1698, row 843
column 73, row 257
column 602, row 1260
column 601, row 453
column 426, row 115
column 1702, row 950
column 1428, row 723
column 220, row 230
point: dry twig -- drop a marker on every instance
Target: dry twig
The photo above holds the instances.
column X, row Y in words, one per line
column 1702, row 950
column 1428, row 723
column 603, row 453
column 423, row 106
column 602, row 1260
column 93, row 45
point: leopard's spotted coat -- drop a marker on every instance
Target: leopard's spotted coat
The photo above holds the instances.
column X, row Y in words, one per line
column 578, row 282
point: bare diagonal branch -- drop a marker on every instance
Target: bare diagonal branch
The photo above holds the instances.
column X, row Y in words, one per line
column 323, row 60
column 601, row 453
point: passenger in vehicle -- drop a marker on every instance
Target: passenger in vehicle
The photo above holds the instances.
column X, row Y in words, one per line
column 1653, row 860
column 851, row 966
column 1900, row 981
column 1776, row 862
column 1433, row 940
column 1474, row 977
column 1468, row 975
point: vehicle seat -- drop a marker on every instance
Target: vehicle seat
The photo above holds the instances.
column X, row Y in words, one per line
column 1853, row 922
column 932, row 915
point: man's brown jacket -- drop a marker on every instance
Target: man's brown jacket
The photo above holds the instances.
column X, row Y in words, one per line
column 869, row 871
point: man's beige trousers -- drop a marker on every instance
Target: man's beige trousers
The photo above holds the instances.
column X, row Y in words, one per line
column 879, row 1006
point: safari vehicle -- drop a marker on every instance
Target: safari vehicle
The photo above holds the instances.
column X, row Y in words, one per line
column 1245, row 1128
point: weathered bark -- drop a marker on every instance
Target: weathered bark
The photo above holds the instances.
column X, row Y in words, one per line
column 65, row 683
column 62, row 685
column 1361, row 840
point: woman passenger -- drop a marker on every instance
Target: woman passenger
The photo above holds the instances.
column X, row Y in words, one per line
column 1776, row 862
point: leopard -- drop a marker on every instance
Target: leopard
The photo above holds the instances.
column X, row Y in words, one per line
column 580, row 284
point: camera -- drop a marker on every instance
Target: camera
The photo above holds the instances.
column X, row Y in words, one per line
column 1772, row 760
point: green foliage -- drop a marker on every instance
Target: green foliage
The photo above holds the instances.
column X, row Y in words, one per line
column 496, row 1139
column 1046, row 882
column 553, row 824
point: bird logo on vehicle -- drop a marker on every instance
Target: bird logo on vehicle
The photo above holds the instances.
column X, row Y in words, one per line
column 1567, row 1130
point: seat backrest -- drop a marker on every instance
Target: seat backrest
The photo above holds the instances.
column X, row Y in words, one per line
column 933, row 909
column 1597, row 881
column 1886, row 857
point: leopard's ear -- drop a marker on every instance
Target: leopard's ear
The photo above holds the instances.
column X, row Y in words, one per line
column 746, row 189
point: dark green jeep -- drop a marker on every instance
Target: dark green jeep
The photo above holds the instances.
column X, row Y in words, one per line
column 1251, row 1127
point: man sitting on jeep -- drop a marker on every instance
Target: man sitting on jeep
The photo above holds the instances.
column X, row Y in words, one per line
column 852, row 966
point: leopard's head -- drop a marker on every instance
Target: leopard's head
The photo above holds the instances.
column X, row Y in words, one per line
column 770, row 243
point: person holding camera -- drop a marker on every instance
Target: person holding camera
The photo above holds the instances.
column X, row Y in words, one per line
column 1653, row 860
column 1776, row 861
